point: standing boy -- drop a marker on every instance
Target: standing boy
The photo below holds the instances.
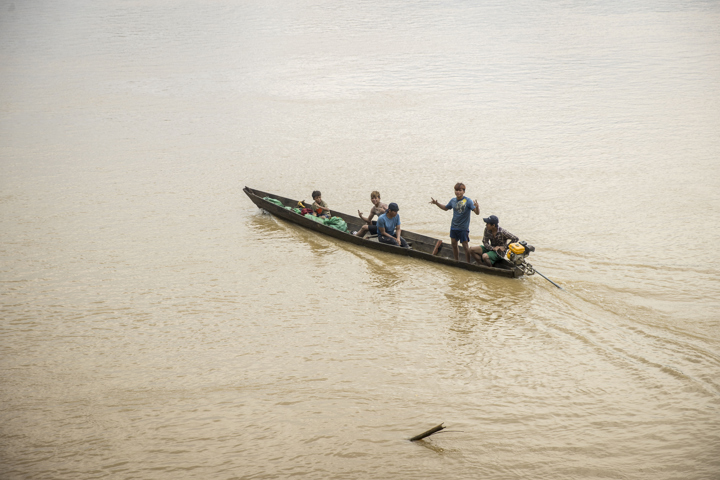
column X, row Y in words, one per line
column 460, row 226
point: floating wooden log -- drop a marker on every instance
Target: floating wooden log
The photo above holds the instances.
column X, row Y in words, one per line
column 428, row 433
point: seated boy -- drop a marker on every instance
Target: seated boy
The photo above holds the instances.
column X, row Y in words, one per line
column 378, row 209
column 320, row 208
column 388, row 226
column 495, row 242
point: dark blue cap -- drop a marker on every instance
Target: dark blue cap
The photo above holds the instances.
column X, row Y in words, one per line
column 491, row 219
column 394, row 207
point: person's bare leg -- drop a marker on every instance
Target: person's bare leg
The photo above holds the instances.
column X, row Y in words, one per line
column 363, row 230
column 486, row 260
column 456, row 250
column 467, row 252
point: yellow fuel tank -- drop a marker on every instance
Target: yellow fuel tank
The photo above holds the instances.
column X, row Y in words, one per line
column 516, row 248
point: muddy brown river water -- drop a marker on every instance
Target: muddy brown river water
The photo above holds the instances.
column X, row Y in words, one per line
column 157, row 325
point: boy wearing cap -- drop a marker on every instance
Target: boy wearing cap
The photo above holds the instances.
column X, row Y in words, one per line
column 388, row 226
column 495, row 242
column 460, row 226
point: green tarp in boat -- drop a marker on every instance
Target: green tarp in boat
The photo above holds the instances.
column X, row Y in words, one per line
column 333, row 222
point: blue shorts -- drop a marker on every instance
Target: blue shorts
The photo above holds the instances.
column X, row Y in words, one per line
column 460, row 235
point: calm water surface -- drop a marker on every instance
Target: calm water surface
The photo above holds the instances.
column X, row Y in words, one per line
column 156, row 325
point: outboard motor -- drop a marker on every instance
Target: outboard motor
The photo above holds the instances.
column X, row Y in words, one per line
column 517, row 253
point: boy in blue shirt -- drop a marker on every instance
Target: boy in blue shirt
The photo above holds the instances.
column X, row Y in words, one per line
column 388, row 226
column 460, row 226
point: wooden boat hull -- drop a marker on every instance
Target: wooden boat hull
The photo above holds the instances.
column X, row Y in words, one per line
column 422, row 246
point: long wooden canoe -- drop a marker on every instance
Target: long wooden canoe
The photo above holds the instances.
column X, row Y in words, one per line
column 423, row 247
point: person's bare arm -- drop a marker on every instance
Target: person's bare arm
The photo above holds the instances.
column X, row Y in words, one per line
column 435, row 202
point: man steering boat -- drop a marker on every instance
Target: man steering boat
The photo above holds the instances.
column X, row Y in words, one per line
column 495, row 242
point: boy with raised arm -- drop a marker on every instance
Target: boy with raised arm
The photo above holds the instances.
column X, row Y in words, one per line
column 460, row 226
column 378, row 209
